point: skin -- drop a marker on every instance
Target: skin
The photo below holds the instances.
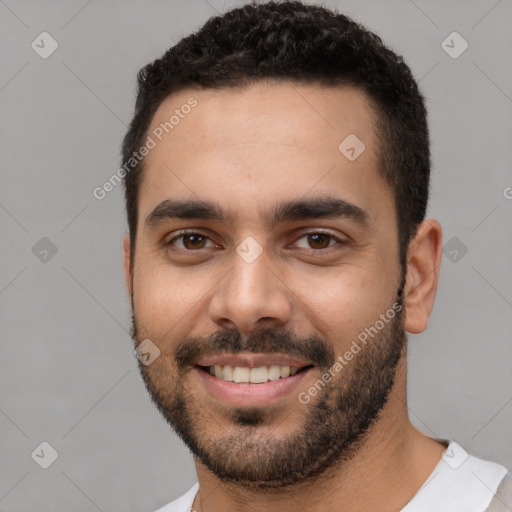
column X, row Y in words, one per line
column 247, row 149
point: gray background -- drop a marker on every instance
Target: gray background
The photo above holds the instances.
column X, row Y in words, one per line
column 68, row 375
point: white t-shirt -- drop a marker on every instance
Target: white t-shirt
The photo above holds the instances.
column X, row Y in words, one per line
column 459, row 483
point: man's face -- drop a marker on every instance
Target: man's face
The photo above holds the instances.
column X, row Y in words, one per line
column 267, row 286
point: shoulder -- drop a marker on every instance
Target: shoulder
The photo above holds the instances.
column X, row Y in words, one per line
column 460, row 482
column 502, row 501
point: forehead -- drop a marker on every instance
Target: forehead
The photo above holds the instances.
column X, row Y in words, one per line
column 265, row 142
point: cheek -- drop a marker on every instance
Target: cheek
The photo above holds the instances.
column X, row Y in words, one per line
column 341, row 302
column 165, row 297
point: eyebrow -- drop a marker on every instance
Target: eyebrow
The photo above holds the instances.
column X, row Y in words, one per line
column 299, row 209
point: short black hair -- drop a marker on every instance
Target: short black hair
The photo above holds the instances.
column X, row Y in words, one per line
column 300, row 43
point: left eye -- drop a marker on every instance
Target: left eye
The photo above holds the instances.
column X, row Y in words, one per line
column 318, row 241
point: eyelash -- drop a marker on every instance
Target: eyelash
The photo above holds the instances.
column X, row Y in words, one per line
column 186, row 232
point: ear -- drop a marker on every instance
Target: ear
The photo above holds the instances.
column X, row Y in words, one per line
column 127, row 263
column 423, row 264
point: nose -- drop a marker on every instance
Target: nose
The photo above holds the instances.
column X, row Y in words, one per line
column 251, row 295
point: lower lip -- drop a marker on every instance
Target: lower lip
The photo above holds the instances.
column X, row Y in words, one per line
column 248, row 393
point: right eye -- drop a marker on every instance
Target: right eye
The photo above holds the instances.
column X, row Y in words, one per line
column 190, row 240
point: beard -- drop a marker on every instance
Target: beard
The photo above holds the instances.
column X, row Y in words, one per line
column 246, row 447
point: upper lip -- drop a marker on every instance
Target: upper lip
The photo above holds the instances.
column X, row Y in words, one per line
column 250, row 360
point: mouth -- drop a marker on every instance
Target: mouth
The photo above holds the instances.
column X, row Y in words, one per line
column 258, row 375
column 250, row 379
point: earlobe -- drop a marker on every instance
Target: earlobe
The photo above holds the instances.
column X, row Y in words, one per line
column 127, row 263
column 423, row 264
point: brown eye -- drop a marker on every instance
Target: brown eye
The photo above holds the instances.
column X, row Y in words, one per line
column 318, row 241
column 189, row 241
column 193, row 241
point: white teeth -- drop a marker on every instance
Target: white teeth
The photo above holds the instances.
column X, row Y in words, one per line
column 274, row 372
column 253, row 375
column 285, row 371
column 259, row 375
column 228, row 373
column 241, row 374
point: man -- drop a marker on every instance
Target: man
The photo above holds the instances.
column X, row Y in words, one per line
column 277, row 179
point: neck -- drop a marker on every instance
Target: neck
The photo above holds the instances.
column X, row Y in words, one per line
column 385, row 473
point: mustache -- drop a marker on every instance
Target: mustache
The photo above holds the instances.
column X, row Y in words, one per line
column 268, row 340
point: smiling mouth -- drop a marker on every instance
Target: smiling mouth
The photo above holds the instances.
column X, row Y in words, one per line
column 259, row 375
